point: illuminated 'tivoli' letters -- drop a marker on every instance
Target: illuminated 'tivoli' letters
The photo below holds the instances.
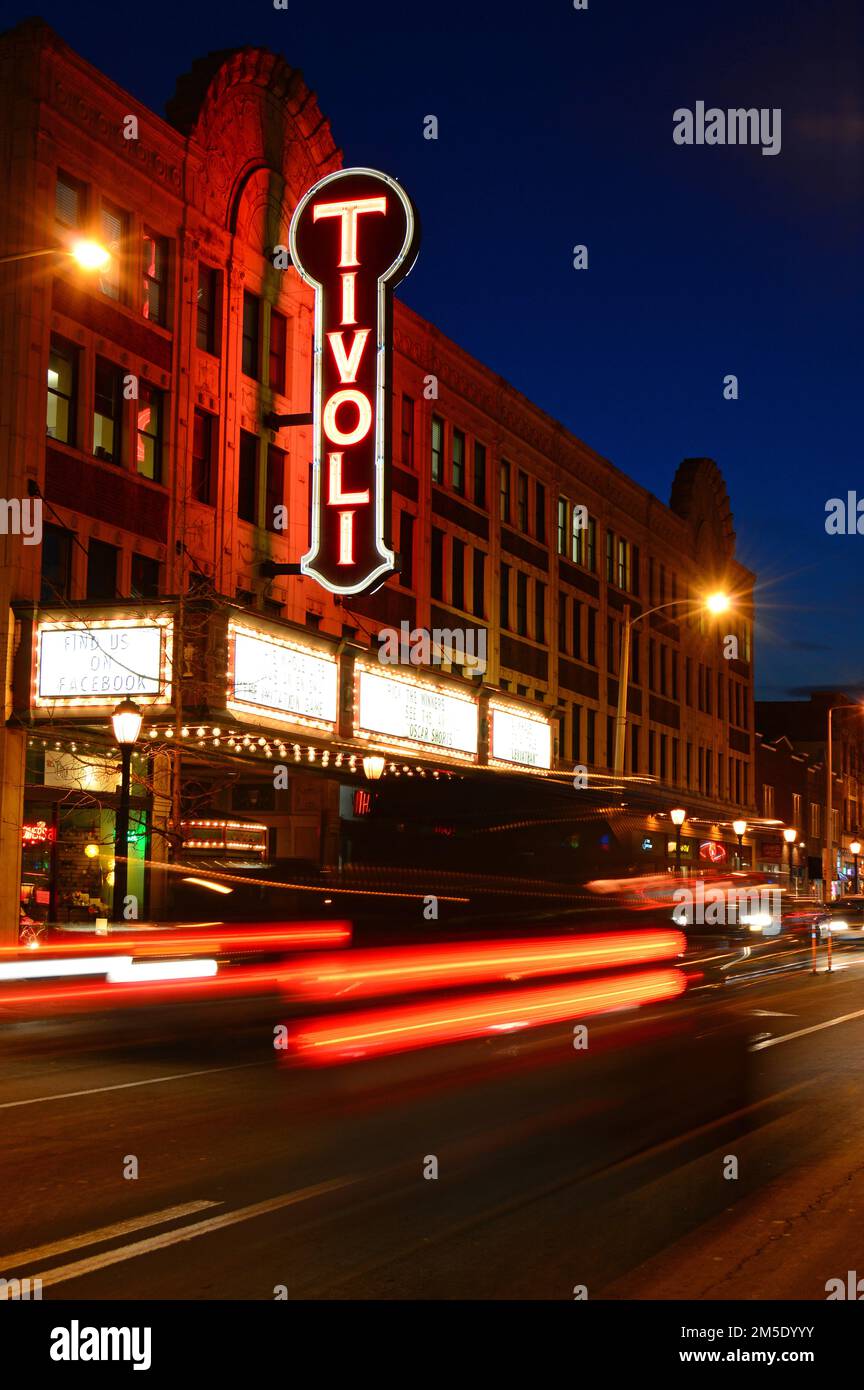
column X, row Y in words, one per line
column 353, row 237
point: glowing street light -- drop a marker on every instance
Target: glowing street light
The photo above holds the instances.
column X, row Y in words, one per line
column 855, row 847
column 126, row 722
column 790, row 836
column 718, row 603
column 740, row 829
column 88, row 255
column 373, row 766
column 678, row 817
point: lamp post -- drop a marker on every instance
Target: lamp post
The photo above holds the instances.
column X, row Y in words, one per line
column 126, row 721
column 855, row 847
column 740, row 829
column 715, row 603
column 790, row 836
column 677, row 817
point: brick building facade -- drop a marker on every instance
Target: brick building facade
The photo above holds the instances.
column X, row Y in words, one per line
column 138, row 403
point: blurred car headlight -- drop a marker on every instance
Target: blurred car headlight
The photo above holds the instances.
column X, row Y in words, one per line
column 838, row 926
column 757, row 921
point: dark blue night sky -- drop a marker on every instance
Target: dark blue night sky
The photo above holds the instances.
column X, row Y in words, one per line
column 555, row 128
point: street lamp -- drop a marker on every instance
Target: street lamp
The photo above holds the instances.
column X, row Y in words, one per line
column 715, row 603
column 89, row 255
column 855, row 847
column 126, row 721
column 678, row 817
column 790, row 836
column 740, row 829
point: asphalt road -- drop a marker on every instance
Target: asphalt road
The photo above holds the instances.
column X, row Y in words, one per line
column 255, row 1181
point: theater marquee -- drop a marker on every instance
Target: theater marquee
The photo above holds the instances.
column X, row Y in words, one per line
column 353, row 237
column 101, row 662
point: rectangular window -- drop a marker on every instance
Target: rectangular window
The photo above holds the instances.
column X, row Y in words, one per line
column 622, row 561
column 479, row 474
column 113, row 223
column 540, row 512
column 591, row 656
column 278, row 355
column 275, row 484
column 675, row 760
column 406, row 550
column 208, row 309
column 102, row 570
column 251, row 334
column 796, row 809
column 505, row 596
column 591, row 736
column 457, row 573
column 767, row 801
column 576, row 732
column 437, row 449
column 56, row 564
column 634, row 748
column 203, row 437
column 150, row 414
column 523, row 503
column 576, row 638
column 247, row 478
column 611, row 646
column 459, row 462
column 437, row 563
column 563, row 626
column 145, row 576
column 652, row 752
column 539, row 611
column 522, row 603
column 69, row 201
column 407, row 432
column 562, row 525
column 155, row 282
column 107, row 411
column 636, row 564
column 610, row 558
column 505, row 490
column 479, row 595
column 62, row 391
column 635, row 654
column 590, row 560
column 664, row 743
column 652, row 664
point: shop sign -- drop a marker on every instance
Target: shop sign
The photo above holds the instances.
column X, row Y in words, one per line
column 79, row 773
column 686, row 848
column 413, row 713
column 37, row 832
column 287, row 679
column 713, row 852
column 99, row 663
column 517, row 739
column 353, row 237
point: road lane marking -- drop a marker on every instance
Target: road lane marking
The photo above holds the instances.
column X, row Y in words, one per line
column 60, row 1273
column 128, row 1085
column 770, row 1013
column 802, row 1032
column 119, row 1228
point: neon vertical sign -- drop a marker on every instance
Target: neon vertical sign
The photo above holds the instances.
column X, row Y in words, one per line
column 353, row 237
